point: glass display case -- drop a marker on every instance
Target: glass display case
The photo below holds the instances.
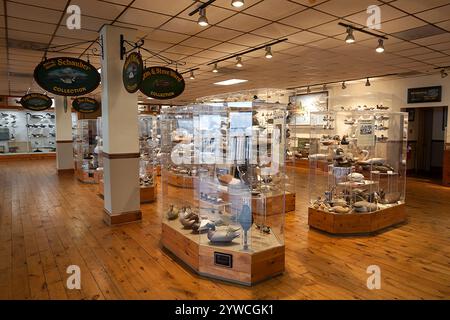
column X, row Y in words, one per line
column 27, row 132
column 224, row 189
column 86, row 144
column 98, row 151
column 148, row 145
column 357, row 170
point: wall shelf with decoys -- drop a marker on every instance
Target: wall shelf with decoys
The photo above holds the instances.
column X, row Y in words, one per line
column 224, row 186
column 357, row 170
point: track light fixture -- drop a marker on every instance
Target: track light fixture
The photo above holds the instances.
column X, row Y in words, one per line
column 308, row 90
column 269, row 54
column 202, row 20
column 380, row 48
column 192, row 76
column 324, row 88
column 444, row 74
column 350, row 37
column 215, row 69
column 237, row 3
column 344, row 86
column 368, row 83
column 239, row 62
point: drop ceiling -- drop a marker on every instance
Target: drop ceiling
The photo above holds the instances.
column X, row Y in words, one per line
column 315, row 51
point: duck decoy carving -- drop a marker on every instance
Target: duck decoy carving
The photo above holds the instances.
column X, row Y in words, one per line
column 172, row 213
column 188, row 218
column 224, row 234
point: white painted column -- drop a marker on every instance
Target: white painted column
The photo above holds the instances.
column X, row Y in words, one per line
column 64, row 143
column 120, row 133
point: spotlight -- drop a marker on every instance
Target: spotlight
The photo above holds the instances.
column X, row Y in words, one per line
column 368, row 83
column 344, row 86
column 380, row 48
column 192, row 77
column 350, row 38
column 237, row 3
column 202, row 20
column 239, row 62
column 269, row 54
column 324, row 88
column 308, row 90
column 444, row 74
column 215, row 70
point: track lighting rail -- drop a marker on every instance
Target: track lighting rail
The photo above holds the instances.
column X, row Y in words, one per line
column 363, row 31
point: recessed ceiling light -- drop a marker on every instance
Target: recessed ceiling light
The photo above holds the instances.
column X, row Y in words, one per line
column 230, row 82
column 237, row 3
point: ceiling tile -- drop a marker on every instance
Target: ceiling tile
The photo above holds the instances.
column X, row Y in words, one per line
column 338, row 8
column 227, row 4
column 326, row 43
column 98, row 9
column 274, row 9
column 214, row 14
column 304, row 37
column 401, row 24
column 143, row 18
column 417, row 5
column 229, row 48
column 161, row 6
column 387, row 13
column 31, row 26
column 29, row 36
column 185, row 50
column 275, row 31
column 33, row 13
column 166, row 36
column 182, row 26
column 440, row 46
column 440, row 38
column 243, row 22
column 444, row 25
column 81, row 34
column 198, row 42
column 308, row 19
column 214, row 33
column 250, row 40
column 436, row 15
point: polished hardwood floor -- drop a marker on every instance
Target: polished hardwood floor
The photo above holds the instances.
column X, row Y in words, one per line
column 48, row 222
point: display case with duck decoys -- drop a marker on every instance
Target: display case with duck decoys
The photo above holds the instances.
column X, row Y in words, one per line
column 229, row 223
column 148, row 146
column 98, row 151
column 357, row 173
column 86, row 153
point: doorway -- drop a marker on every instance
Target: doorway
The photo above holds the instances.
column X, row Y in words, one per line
column 426, row 141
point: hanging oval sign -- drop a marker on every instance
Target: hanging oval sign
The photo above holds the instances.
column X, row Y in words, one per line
column 36, row 102
column 65, row 76
column 162, row 83
column 85, row 105
column 133, row 69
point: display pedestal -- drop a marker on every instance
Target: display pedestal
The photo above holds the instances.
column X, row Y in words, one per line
column 246, row 268
column 180, row 180
column 355, row 223
column 148, row 194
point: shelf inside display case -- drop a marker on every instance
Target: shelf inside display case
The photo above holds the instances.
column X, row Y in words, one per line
column 224, row 182
column 86, row 151
column 357, row 180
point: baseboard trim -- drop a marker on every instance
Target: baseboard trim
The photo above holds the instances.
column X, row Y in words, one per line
column 125, row 217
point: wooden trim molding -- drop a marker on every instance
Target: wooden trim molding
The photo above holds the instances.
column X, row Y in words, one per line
column 125, row 217
column 64, row 141
column 121, row 155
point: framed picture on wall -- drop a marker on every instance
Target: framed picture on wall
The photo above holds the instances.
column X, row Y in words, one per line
column 424, row 95
column 304, row 104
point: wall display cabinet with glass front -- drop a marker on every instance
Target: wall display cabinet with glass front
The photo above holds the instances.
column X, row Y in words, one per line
column 27, row 132
column 86, row 144
column 224, row 189
column 357, row 170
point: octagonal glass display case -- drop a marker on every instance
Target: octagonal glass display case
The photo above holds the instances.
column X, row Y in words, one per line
column 224, row 189
column 86, row 141
column 357, row 170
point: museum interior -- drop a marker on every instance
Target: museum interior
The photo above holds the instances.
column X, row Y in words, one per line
column 225, row 149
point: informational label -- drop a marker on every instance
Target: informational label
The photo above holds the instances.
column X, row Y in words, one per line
column 133, row 69
column 36, row 102
column 85, row 105
column 162, row 83
column 65, row 76
column 366, row 132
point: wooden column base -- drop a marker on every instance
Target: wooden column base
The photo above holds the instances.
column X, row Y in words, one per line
column 126, row 217
column 65, row 171
column 356, row 223
column 247, row 268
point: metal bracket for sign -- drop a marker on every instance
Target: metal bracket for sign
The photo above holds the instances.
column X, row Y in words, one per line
column 134, row 46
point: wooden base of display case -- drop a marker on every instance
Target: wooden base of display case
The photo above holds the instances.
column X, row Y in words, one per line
column 356, row 223
column 299, row 163
column 87, row 176
column 221, row 262
column 101, row 188
column 179, row 180
column 148, row 194
column 27, row 156
column 273, row 205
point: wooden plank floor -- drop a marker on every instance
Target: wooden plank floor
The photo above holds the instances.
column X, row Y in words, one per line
column 48, row 222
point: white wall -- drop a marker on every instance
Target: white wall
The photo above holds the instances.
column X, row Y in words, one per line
column 391, row 91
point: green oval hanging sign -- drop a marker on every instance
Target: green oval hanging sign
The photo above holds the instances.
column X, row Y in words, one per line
column 162, row 83
column 36, row 102
column 85, row 105
column 133, row 69
column 65, row 76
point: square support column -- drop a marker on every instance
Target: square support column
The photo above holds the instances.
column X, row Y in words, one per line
column 120, row 133
column 64, row 139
